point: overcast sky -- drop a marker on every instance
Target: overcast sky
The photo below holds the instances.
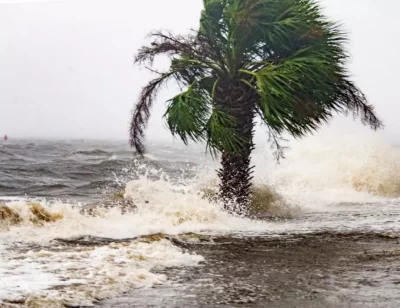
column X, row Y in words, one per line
column 66, row 67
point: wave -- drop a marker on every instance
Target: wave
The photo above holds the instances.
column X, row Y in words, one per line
column 14, row 161
column 6, row 187
column 111, row 164
column 34, row 170
column 94, row 185
column 49, row 187
column 128, row 153
column 95, row 152
column 6, row 153
column 151, row 157
column 113, row 157
column 12, row 198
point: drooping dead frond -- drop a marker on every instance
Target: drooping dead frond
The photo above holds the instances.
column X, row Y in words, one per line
column 194, row 48
column 141, row 113
column 165, row 43
column 276, row 145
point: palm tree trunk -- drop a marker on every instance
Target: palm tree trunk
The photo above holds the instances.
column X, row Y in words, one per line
column 236, row 171
column 235, row 176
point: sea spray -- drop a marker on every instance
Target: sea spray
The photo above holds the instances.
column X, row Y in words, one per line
column 327, row 169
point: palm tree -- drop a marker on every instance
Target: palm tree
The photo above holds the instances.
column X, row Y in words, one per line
column 280, row 61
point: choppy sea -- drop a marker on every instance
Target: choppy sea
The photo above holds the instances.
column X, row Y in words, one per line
column 324, row 185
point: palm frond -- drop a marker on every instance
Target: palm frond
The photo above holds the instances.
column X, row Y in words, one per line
column 189, row 47
column 165, row 43
column 187, row 114
column 356, row 102
column 300, row 92
column 141, row 113
column 221, row 133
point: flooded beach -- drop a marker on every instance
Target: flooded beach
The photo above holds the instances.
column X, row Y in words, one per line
column 313, row 270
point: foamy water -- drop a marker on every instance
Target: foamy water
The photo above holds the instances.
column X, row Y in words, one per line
column 81, row 276
column 338, row 187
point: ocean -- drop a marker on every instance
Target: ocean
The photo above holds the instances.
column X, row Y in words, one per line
column 53, row 255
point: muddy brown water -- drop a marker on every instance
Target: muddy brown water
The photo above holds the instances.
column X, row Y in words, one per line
column 313, row 270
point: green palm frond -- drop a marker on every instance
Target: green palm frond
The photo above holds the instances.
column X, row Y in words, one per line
column 221, row 133
column 187, row 115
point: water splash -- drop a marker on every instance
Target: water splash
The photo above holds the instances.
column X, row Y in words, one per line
column 327, row 169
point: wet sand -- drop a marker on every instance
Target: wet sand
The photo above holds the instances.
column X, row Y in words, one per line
column 312, row 270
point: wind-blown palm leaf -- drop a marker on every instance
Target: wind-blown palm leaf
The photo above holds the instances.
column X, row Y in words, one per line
column 187, row 115
column 221, row 133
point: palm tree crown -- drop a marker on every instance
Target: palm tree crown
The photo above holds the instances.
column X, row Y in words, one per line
column 287, row 58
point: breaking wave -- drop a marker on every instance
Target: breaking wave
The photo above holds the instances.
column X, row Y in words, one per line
column 31, row 230
column 94, row 152
column 38, row 266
